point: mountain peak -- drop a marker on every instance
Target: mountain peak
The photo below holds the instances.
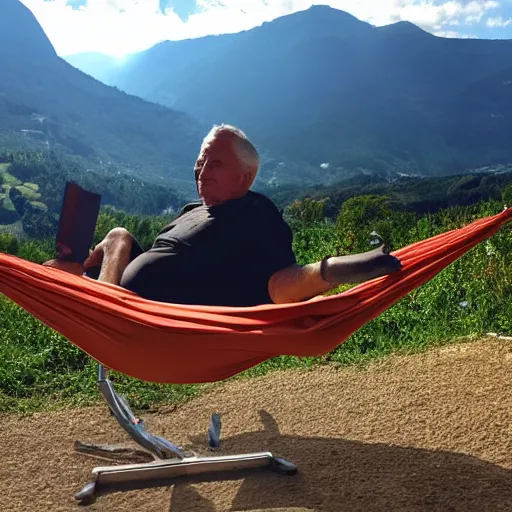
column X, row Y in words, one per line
column 317, row 21
column 20, row 32
column 403, row 28
column 325, row 14
column 325, row 9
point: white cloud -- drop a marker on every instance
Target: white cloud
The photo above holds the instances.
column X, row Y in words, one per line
column 433, row 17
column 453, row 34
column 123, row 26
column 498, row 21
column 447, row 33
column 109, row 26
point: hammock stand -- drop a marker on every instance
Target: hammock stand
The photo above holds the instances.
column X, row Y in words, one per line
column 170, row 461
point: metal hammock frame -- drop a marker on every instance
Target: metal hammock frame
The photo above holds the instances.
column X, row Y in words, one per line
column 170, row 461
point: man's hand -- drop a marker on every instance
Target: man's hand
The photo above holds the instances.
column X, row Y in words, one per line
column 112, row 255
column 95, row 258
column 66, row 266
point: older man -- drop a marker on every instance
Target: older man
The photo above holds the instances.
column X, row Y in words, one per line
column 232, row 248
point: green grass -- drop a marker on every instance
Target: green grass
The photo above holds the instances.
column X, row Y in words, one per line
column 29, row 192
column 39, row 369
column 10, row 180
column 38, row 204
column 32, row 186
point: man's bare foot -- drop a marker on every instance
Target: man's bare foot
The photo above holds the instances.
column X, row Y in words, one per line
column 358, row 268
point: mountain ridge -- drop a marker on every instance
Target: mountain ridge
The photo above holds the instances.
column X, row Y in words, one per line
column 321, row 86
column 20, row 30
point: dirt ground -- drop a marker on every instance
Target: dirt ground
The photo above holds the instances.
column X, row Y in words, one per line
column 429, row 432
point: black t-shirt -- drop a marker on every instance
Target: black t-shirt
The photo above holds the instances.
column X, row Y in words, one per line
column 220, row 255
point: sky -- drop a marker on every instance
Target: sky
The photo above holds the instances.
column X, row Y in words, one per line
column 119, row 27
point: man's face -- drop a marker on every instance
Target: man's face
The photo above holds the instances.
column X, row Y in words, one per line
column 218, row 174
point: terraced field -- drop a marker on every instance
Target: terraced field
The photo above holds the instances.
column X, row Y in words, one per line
column 30, row 191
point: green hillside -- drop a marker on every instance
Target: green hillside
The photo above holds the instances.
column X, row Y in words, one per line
column 32, row 185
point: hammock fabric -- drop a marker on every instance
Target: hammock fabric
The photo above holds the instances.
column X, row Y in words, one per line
column 170, row 343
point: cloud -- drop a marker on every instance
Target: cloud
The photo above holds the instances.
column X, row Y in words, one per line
column 453, row 34
column 498, row 21
column 115, row 27
column 118, row 27
column 434, row 17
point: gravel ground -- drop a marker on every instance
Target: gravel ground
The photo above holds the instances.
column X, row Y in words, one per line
column 429, row 432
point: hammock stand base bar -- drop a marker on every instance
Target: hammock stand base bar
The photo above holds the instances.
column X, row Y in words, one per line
column 160, row 473
column 170, row 462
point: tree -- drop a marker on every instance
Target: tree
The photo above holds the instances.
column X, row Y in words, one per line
column 8, row 243
column 506, row 193
column 307, row 210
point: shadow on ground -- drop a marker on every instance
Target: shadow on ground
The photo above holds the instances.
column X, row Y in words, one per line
column 339, row 475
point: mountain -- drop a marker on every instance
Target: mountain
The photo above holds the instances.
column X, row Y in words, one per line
column 323, row 87
column 46, row 103
column 95, row 64
column 21, row 33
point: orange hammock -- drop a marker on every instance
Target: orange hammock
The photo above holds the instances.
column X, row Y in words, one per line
column 170, row 343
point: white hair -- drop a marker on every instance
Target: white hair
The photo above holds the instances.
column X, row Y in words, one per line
column 246, row 152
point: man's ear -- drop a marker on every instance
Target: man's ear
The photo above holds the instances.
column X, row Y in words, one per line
column 247, row 180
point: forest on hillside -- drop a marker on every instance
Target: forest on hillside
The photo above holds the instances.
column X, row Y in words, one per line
column 32, row 184
column 24, row 173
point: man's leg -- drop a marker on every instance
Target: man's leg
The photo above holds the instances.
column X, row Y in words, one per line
column 297, row 283
column 113, row 254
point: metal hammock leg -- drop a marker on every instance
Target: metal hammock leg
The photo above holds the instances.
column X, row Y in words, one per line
column 170, row 461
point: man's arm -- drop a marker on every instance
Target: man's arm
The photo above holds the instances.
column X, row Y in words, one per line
column 289, row 282
column 297, row 283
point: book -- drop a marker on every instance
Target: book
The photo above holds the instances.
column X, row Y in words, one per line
column 77, row 223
